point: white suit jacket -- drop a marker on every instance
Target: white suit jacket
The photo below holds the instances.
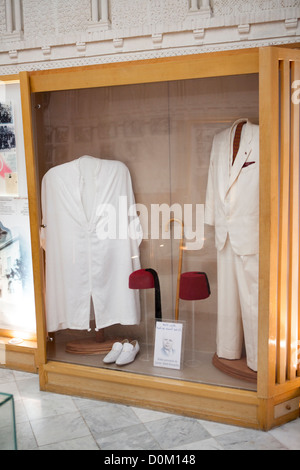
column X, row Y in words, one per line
column 232, row 197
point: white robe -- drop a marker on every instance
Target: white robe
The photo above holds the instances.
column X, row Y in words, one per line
column 81, row 262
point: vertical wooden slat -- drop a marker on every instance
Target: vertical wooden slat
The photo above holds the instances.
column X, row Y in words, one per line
column 292, row 337
column 33, row 198
column 283, row 223
column 268, row 226
column 296, row 151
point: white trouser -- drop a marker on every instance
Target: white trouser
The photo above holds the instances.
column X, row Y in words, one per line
column 237, row 305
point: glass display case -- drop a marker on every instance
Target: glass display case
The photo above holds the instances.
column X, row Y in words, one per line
column 8, row 438
column 163, row 133
column 152, row 137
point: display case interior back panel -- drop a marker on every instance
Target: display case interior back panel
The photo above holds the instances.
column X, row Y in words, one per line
column 163, row 133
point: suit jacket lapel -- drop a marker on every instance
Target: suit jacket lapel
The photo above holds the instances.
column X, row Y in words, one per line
column 225, row 167
column 243, row 153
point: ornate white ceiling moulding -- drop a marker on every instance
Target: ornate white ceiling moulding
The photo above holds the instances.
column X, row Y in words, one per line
column 81, row 48
column 157, row 40
column 15, row 66
column 118, row 43
column 199, row 35
column 200, row 8
column 56, row 34
column 13, row 55
column 291, row 25
column 244, row 30
column 99, row 20
column 46, row 51
column 14, row 21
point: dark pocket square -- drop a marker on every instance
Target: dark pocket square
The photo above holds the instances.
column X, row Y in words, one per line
column 247, row 164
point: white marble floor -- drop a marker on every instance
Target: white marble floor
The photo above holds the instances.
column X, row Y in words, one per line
column 47, row 421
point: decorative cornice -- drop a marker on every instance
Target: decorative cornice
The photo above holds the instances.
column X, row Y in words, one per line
column 83, row 32
column 143, row 55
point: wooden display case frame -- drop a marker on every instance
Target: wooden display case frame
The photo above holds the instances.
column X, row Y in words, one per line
column 276, row 400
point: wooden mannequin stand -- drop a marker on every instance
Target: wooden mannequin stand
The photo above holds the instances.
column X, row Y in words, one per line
column 91, row 346
column 94, row 345
column 235, row 368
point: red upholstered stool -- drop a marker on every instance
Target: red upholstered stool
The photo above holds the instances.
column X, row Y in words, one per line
column 193, row 286
column 147, row 279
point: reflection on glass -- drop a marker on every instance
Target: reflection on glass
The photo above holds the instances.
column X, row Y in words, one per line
column 17, row 310
column 8, row 439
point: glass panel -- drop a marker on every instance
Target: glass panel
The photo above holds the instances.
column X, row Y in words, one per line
column 163, row 132
column 17, row 310
column 8, row 440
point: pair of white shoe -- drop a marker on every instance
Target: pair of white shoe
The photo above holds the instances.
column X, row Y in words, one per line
column 122, row 353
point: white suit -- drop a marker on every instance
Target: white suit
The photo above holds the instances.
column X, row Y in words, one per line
column 81, row 264
column 232, row 205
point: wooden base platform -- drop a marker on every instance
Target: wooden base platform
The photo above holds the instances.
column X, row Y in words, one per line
column 237, row 368
column 90, row 346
